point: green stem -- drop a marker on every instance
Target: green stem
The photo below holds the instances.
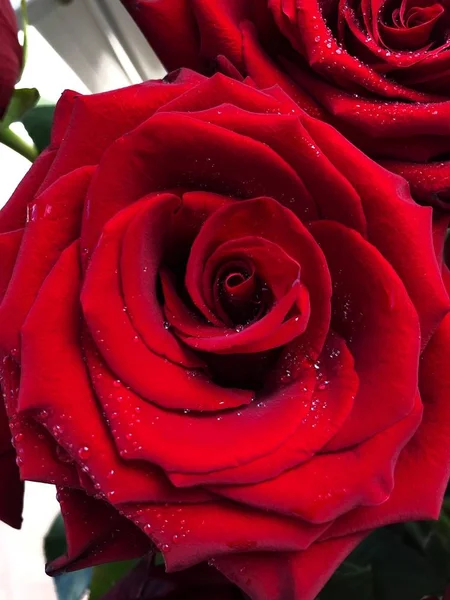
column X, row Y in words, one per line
column 16, row 143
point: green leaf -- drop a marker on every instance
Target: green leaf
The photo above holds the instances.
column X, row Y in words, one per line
column 38, row 123
column 355, row 584
column 22, row 100
column 105, row 576
column 401, row 562
column 55, row 540
column 159, row 559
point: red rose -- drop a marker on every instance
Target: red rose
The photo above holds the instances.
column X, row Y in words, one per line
column 223, row 331
column 377, row 71
column 10, row 54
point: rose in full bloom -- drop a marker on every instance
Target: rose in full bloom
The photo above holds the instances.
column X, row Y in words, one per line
column 224, row 334
column 10, row 53
column 378, row 71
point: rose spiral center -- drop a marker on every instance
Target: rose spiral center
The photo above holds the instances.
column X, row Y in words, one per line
column 414, row 24
column 240, row 296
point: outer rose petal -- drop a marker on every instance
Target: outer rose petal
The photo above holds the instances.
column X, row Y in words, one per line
column 54, row 223
column 371, row 310
column 96, row 533
column 175, row 150
column 10, row 53
column 187, row 536
column 71, row 413
column 149, row 581
column 427, row 455
column 395, row 225
column 11, row 493
column 157, row 18
column 287, row 576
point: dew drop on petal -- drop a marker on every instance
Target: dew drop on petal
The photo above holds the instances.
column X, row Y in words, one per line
column 84, row 452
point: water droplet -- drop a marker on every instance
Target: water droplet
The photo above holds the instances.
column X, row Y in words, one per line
column 18, row 437
column 323, row 385
column 84, row 452
column 57, row 430
column 166, row 325
column 117, row 383
column 147, row 528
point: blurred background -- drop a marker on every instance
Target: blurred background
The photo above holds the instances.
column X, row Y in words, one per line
column 87, row 46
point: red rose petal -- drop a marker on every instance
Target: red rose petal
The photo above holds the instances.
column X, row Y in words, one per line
column 395, row 224
column 54, row 223
column 174, row 150
column 44, row 389
column 373, row 312
column 427, row 456
column 96, row 533
column 287, row 576
column 187, row 535
column 123, row 350
column 201, row 441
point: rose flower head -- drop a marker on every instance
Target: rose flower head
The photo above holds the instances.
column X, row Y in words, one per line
column 224, row 335
column 378, row 71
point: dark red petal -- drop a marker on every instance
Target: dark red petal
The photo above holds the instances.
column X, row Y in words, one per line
column 96, row 533
column 10, row 54
column 335, row 383
column 332, row 484
column 125, row 353
column 372, row 311
column 422, row 471
column 395, row 224
column 145, row 242
column 187, row 534
column 287, row 576
column 430, row 182
column 54, row 223
column 9, row 247
column 72, row 410
column 36, row 450
column 412, row 37
column 327, row 192
column 11, row 494
column 147, row 581
column 202, row 442
column 14, row 214
column 93, row 124
column 271, row 331
column 172, row 150
column 268, row 219
column 170, row 28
